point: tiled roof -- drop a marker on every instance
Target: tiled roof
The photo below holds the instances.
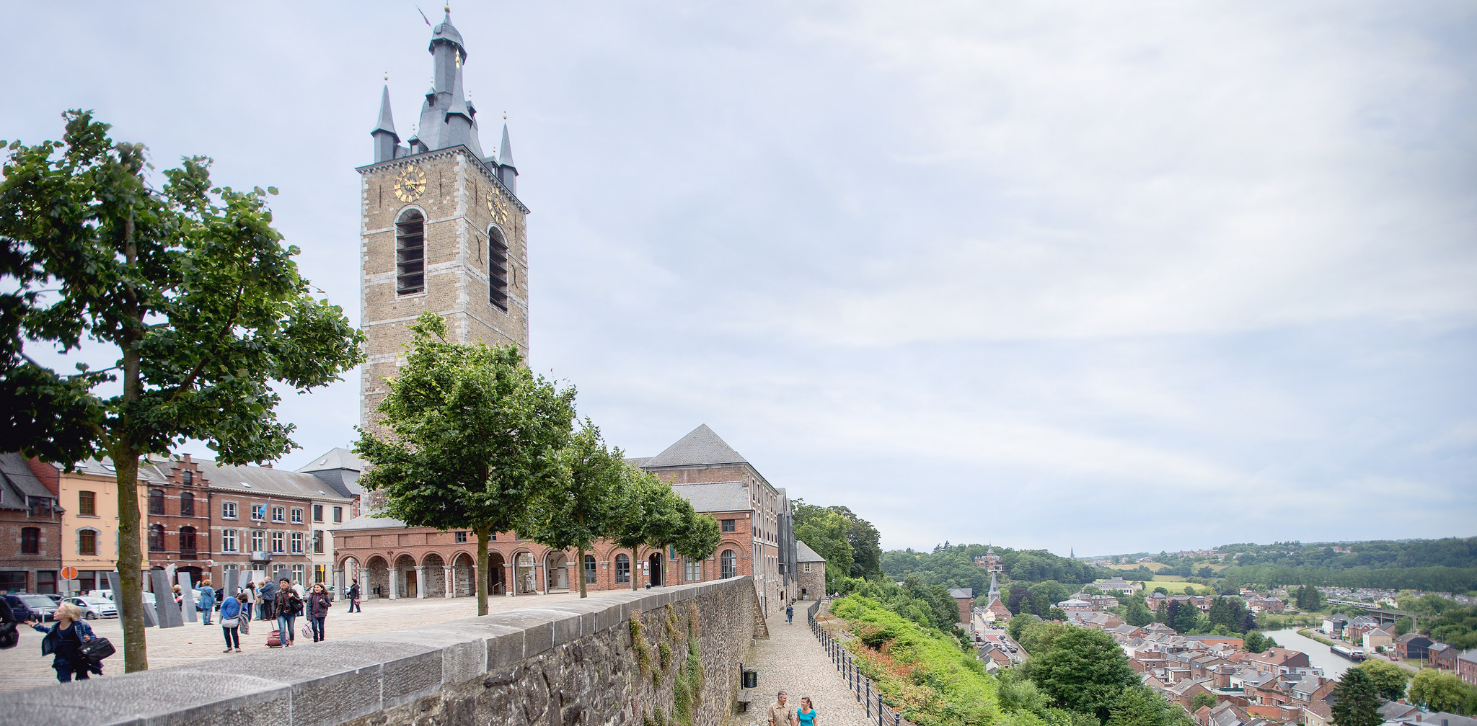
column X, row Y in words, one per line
column 262, row 480
column 720, row 496
column 803, row 553
column 702, row 446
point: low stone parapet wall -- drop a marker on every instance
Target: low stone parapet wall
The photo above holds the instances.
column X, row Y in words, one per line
column 665, row 657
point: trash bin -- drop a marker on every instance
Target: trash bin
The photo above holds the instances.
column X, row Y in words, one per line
column 751, row 678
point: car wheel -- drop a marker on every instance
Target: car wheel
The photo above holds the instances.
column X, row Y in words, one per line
column 90, row 615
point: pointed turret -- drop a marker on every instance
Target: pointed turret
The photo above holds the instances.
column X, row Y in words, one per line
column 449, row 53
column 994, row 588
column 458, row 118
column 507, row 171
column 384, row 134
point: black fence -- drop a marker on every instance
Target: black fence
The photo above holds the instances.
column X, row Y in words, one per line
column 859, row 684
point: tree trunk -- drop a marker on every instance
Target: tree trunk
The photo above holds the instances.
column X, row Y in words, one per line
column 483, row 576
column 130, row 559
column 580, row 553
column 125, row 463
column 635, row 560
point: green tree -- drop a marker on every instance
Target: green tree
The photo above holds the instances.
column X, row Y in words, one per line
column 1403, row 625
column 191, row 286
column 827, row 532
column 1187, row 619
column 1440, row 691
column 1083, row 671
column 1202, row 700
column 698, row 537
column 473, row 439
column 1136, row 613
column 1189, row 589
column 584, row 502
column 1389, row 679
column 1138, row 706
column 1161, row 590
column 1255, row 642
column 1045, row 595
column 1161, row 613
column 1056, row 613
column 1357, row 700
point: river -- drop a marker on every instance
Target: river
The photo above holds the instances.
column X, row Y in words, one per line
column 1318, row 654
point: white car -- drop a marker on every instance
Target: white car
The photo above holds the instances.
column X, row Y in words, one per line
column 108, row 595
column 94, row 607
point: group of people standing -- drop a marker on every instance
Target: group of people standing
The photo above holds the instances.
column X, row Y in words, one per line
column 283, row 601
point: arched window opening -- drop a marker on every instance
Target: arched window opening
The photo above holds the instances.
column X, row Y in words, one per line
column 87, row 542
column 188, row 477
column 156, row 501
column 410, row 253
column 589, row 569
column 622, row 569
column 497, row 269
column 728, row 564
column 186, row 504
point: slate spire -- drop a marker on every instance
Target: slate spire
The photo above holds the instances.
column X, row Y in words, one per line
column 385, row 138
column 507, row 171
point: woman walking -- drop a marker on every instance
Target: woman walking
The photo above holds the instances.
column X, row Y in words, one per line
column 318, row 605
column 806, row 713
column 231, row 622
column 288, row 607
column 64, row 641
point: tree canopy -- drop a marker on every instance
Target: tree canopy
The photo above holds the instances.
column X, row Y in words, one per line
column 188, row 284
column 473, row 439
column 1389, row 679
column 585, row 501
column 1083, row 670
column 1357, row 700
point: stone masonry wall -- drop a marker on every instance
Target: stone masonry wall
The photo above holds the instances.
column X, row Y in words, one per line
column 570, row 664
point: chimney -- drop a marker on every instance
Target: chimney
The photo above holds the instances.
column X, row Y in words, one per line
column 186, row 458
column 267, row 465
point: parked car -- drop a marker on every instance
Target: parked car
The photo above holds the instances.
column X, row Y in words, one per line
column 108, row 595
column 56, row 599
column 27, row 606
column 95, row 607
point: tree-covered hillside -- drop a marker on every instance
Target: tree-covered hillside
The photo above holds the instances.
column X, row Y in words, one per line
column 1374, row 555
column 953, row 566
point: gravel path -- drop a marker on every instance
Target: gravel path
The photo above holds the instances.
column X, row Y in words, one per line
column 794, row 661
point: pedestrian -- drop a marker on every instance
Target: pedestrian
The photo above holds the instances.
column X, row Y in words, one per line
column 805, row 715
column 64, row 641
column 288, row 606
column 318, row 605
column 790, row 613
column 268, row 597
column 177, row 597
column 779, row 713
column 231, row 622
column 244, row 621
column 249, row 592
column 354, row 598
column 207, row 599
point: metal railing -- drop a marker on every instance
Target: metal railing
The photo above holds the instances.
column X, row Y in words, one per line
column 860, row 685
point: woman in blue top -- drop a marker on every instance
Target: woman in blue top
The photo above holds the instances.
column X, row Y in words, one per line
column 231, row 612
column 806, row 712
column 64, row 641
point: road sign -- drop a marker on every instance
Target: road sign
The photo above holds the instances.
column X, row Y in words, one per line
column 69, row 573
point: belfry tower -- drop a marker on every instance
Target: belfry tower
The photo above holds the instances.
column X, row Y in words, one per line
column 441, row 228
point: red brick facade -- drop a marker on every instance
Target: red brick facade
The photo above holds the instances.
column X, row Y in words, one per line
column 178, row 518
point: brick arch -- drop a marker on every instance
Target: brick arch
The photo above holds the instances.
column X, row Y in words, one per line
column 525, row 574
column 400, row 213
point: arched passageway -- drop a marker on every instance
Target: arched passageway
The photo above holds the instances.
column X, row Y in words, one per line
column 435, row 572
column 556, row 565
column 405, row 579
column 377, row 579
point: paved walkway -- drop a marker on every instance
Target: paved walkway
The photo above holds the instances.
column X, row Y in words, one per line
column 23, row 666
column 793, row 660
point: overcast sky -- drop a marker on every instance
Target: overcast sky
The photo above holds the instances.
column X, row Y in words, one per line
column 1111, row 277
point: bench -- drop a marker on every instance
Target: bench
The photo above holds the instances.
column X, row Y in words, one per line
column 745, row 697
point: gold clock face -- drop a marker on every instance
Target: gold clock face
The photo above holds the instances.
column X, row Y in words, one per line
column 410, row 183
column 494, row 205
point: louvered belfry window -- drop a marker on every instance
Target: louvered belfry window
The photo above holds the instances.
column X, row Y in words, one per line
column 410, row 253
column 497, row 269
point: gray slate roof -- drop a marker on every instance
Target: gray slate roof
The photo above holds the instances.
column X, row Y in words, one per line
column 803, row 553
column 337, row 458
column 962, row 592
column 638, row 461
column 261, row 480
column 19, row 482
column 702, row 446
column 721, row 496
column 340, row 469
column 369, row 521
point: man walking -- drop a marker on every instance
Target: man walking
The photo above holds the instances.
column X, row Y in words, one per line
column 790, row 614
column 354, row 598
column 779, row 713
column 207, row 600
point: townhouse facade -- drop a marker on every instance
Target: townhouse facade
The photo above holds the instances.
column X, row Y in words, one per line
column 30, row 529
column 90, row 526
column 178, row 511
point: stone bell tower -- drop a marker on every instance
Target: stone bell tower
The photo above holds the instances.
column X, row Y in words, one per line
column 441, row 228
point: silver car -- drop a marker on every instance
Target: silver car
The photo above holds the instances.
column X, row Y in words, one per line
column 94, row 607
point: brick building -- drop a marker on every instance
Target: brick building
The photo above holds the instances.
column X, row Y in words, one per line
column 393, row 561
column 811, row 578
column 89, row 501
column 178, row 530
column 30, row 529
column 272, row 522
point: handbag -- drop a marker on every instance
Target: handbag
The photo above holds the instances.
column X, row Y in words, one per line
column 230, row 622
column 95, row 650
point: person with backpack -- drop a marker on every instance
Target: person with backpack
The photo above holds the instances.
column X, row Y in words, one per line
column 267, row 593
column 231, row 622
column 64, row 641
column 318, row 604
column 288, row 606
